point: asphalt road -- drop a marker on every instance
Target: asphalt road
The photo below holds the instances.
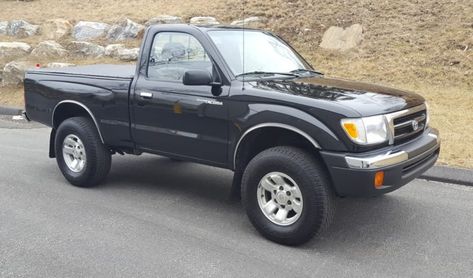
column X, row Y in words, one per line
column 158, row 218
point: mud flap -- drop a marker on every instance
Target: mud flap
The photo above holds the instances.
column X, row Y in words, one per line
column 52, row 138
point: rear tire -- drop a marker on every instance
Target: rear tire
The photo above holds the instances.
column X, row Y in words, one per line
column 80, row 154
column 299, row 203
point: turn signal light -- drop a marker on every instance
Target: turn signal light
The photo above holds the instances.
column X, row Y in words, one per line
column 379, row 179
column 351, row 129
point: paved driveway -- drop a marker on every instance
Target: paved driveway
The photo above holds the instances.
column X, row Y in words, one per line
column 158, row 218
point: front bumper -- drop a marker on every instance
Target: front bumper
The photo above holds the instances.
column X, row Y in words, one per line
column 353, row 174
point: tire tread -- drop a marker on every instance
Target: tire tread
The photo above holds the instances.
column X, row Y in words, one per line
column 98, row 156
column 322, row 192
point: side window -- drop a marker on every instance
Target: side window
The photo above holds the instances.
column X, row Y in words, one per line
column 173, row 54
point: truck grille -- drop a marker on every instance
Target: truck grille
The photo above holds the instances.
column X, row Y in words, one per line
column 409, row 126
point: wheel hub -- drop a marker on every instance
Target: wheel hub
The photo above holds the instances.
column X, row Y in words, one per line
column 73, row 151
column 280, row 198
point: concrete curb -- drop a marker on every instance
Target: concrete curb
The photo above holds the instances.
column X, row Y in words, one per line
column 4, row 110
column 449, row 175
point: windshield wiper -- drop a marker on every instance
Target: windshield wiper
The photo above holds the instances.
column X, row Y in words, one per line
column 296, row 71
column 266, row 73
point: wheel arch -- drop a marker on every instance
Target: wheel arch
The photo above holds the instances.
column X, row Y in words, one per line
column 70, row 108
column 64, row 110
column 263, row 130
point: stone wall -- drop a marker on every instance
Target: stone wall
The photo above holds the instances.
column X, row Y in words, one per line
column 59, row 39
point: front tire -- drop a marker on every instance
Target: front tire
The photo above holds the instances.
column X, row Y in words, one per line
column 80, row 154
column 287, row 195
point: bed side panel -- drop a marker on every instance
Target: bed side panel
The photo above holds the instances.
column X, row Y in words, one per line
column 107, row 99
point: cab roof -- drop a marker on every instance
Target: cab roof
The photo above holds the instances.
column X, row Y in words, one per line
column 204, row 27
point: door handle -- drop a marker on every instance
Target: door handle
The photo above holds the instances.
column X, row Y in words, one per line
column 146, row 95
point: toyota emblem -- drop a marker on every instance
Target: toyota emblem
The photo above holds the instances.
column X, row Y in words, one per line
column 415, row 125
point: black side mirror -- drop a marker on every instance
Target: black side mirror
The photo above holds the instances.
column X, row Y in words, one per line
column 197, row 78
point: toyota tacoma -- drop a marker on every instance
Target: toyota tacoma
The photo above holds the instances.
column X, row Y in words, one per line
column 240, row 99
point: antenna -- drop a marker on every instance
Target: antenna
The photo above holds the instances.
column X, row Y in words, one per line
column 243, row 49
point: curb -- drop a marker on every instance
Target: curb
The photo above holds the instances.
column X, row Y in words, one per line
column 449, row 175
column 11, row 111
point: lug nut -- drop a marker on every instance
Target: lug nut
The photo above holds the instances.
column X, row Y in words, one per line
column 289, row 202
column 288, row 193
column 281, row 188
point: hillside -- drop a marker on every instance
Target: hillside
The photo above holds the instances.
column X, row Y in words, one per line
column 420, row 45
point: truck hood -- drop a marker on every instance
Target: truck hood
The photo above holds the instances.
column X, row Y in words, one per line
column 366, row 99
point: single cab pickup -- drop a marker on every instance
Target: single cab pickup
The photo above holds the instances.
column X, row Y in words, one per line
column 244, row 100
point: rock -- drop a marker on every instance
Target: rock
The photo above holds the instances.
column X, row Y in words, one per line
column 112, row 49
column 49, row 49
column 128, row 54
column 337, row 38
column 126, row 29
column 3, row 27
column 164, row 19
column 87, row 30
column 14, row 72
column 14, row 49
column 59, row 65
column 253, row 22
column 204, row 20
column 21, row 29
column 83, row 49
column 56, row 29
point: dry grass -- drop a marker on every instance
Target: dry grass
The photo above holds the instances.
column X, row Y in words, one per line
column 11, row 96
column 453, row 116
column 421, row 45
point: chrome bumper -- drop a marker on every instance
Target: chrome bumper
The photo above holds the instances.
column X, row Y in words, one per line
column 394, row 157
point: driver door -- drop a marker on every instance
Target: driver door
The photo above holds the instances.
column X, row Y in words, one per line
column 177, row 119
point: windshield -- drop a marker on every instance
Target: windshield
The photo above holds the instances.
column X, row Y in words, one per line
column 262, row 52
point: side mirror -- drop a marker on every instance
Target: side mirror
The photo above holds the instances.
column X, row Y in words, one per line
column 197, row 78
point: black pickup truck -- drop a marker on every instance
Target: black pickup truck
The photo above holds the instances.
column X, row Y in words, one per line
column 244, row 100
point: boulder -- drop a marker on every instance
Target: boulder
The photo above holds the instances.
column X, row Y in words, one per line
column 253, row 22
column 87, row 30
column 128, row 54
column 59, row 65
column 204, row 20
column 164, row 19
column 21, row 29
column 112, row 49
column 49, row 49
column 56, row 29
column 14, row 49
column 126, row 29
column 14, row 73
column 84, row 49
column 3, row 27
column 337, row 38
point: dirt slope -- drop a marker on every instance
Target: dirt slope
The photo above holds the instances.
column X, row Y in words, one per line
column 420, row 45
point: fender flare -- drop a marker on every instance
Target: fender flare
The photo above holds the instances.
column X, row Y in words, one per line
column 82, row 106
column 278, row 125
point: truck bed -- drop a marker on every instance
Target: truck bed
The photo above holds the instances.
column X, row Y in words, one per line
column 104, row 71
column 103, row 90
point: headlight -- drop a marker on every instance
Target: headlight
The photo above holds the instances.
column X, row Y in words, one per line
column 366, row 131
